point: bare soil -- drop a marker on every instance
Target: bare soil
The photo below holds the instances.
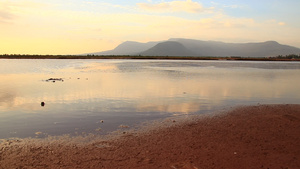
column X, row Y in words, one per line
column 263, row 136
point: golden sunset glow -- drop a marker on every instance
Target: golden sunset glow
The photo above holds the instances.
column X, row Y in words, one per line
column 150, row 92
column 77, row 27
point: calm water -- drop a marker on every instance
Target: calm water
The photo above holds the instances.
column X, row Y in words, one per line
column 127, row 92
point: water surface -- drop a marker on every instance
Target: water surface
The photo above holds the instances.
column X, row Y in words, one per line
column 127, row 92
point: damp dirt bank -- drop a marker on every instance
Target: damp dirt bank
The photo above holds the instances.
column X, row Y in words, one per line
column 262, row 136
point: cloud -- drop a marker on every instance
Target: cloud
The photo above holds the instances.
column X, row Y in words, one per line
column 6, row 17
column 47, row 25
column 6, row 13
column 232, row 6
column 10, row 10
column 281, row 23
column 174, row 6
column 275, row 22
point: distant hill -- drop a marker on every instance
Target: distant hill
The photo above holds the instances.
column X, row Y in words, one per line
column 190, row 47
column 168, row 48
column 214, row 48
column 128, row 48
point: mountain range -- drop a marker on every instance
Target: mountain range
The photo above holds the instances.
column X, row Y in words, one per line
column 191, row 47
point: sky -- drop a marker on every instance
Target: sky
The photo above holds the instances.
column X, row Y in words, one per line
column 85, row 26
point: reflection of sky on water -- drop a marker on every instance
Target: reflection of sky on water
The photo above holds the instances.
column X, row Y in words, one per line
column 130, row 91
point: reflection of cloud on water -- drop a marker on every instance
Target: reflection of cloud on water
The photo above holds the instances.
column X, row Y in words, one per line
column 146, row 91
column 12, row 101
column 181, row 108
column 7, row 99
column 91, row 67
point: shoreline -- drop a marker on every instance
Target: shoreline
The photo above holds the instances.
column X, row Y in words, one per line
column 232, row 58
column 262, row 136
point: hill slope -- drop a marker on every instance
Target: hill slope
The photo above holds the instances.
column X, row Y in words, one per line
column 214, row 48
column 168, row 48
column 190, row 47
column 128, row 48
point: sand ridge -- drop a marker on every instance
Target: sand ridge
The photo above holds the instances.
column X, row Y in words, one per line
column 262, row 136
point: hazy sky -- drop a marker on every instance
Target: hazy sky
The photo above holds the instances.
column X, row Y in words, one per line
column 82, row 26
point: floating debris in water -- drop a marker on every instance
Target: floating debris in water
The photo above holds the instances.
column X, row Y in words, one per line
column 123, row 126
column 100, row 121
column 55, row 79
column 38, row 133
column 56, row 122
column 98, row 129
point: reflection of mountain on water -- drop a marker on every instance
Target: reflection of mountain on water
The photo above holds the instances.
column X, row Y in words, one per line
column 120, row 90
column 160, row 86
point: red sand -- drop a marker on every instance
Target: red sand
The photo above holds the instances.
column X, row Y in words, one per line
column 265, row 136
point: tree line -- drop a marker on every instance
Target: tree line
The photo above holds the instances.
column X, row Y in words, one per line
column 91, row 56
column 291, row 56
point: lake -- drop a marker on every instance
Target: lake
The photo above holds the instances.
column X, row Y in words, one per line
column 98, row 96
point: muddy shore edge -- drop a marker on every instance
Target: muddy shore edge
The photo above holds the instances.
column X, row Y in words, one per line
column 261, row 136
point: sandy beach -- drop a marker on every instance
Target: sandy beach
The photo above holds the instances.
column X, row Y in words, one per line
column 261, row 136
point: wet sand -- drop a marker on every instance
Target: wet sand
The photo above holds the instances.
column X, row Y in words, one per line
column 263, row 136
